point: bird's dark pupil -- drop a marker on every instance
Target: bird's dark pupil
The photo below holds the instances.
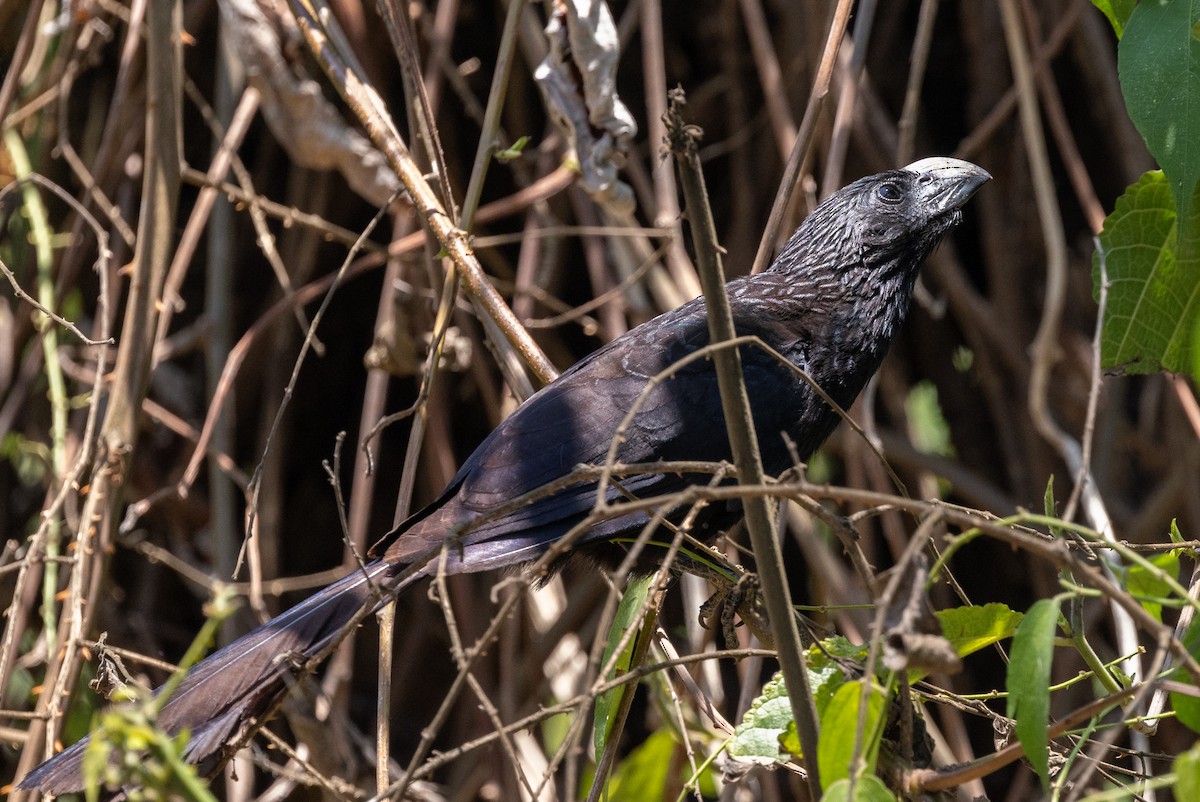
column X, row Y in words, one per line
column 889, row 193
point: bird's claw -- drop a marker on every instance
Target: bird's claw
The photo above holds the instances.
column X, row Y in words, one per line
column 740, row 599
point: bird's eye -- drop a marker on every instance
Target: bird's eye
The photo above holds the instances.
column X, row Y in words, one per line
column 889, row 193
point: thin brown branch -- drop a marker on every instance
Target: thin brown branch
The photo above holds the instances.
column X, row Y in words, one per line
column 348, row 78
column 744, row 442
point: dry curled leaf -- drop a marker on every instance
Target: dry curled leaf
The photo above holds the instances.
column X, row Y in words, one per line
column 578, row 79
column 304, row 122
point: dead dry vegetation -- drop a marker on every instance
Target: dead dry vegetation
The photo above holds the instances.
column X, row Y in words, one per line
column 264, row 350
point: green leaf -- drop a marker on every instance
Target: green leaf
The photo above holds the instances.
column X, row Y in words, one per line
column 1158, row 63
column 927, row 427
column 1050, row 507
column 767, row 733
column 1187, row 708
column 826, row 671
column 963, row 358
column 1142, row 582
column 970, row 629
column 789, row 740
column 555, row 730
column 867, row 789
column 646, row 772
column 1187, row 774
column 839, row 731
column 84, row 706
column 30, row 459
column 1117, row 11
column 1029, row 683
column 1154, row 282
column 513, row 151
column 821, row 467
column 756, row 738
column 628, row 611
column 1196, row 350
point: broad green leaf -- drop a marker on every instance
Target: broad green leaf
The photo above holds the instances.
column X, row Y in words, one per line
column 970, row 629
column 839, row 731
column 1158, row 63
column 555, row 730
column 1117, row 11
column 626, row 616
column 1142, row 582
column 767, row 733
column 825, row 668
column 1154, row 287
column 867, row 789
column 789, row 741
column 646, row 772
column 1196, row 349
column 756, row 738
column 1029, row 683
column 1187, row 774
column 1187, row 707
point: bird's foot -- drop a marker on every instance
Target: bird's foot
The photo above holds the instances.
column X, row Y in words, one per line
column 740, row 599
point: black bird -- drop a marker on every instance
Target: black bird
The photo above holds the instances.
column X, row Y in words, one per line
column 831, row 304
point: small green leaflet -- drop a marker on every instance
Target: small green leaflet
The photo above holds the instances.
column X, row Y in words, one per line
column 1029, row 683
column 626, row 616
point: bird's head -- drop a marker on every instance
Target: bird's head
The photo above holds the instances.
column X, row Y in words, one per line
column 914, row 207
column 855, row 258
column 889, row 221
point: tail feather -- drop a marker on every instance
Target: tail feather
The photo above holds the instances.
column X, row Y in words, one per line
column 239, row 682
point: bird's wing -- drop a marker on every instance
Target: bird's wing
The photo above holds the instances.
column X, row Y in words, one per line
column 574, row 421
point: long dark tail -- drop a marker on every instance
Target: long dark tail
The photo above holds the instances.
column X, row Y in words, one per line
column 239, row 682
